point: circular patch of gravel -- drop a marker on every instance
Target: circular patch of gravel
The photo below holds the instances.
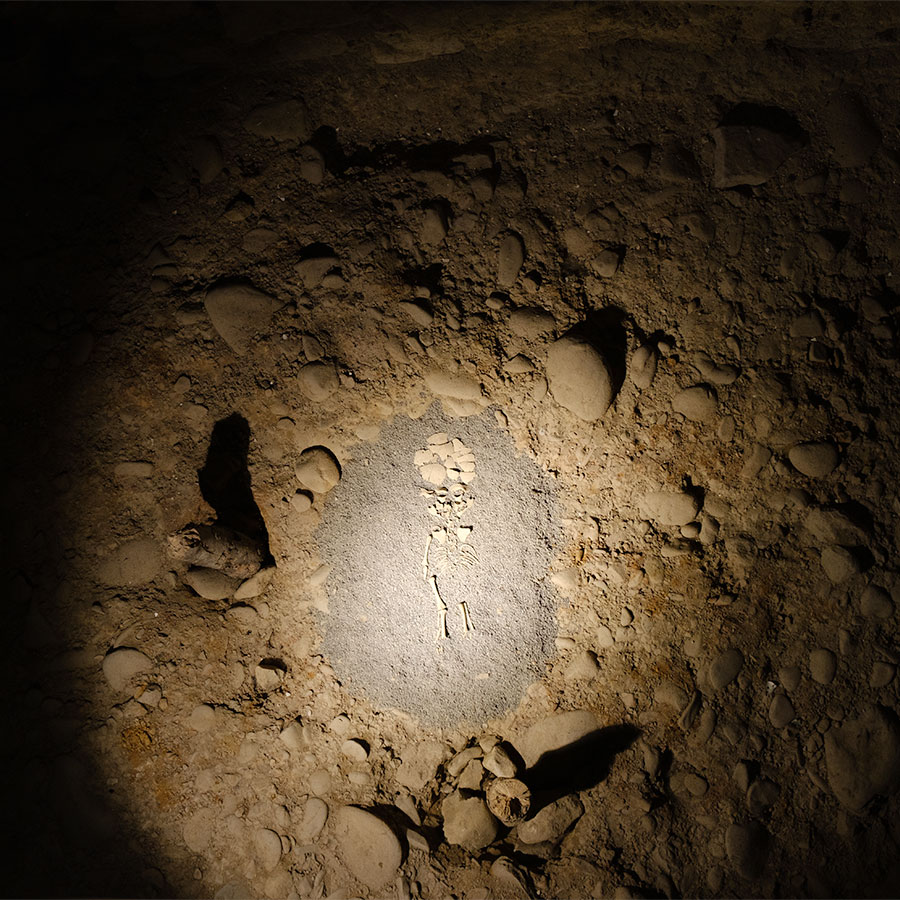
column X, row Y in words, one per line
column 381, row 634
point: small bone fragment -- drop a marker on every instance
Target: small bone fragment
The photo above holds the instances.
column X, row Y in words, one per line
column 465, row 614
column 428, row 541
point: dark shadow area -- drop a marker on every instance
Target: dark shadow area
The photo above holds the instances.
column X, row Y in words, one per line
column 772, row 118
column 605, row 331
column 439, row 156
column 577, row 767
column 225, row 481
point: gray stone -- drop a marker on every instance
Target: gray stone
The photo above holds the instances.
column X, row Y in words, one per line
column 315, row 814
column 761, row 795
column 815, row 459
column 512, row 255
column 876, row 603
column 583, row 667
column 239, row 312
column 822, row 666
column 862, row 757
column 671, row 508
column 552, row 822
column 368, row 846
column 725, row 668
column 255, row 585
column 747, row 155
column 318, row 470
column 554, row 732
column 579, row 379
column 781, row 711
column 697, row 403
column 468, row 822
column 642, row 367
column 498, row 762
column 839, row 564
column 267, row 848
column 318, row 380
column 202, row 718
column 210, row 584
column 122, row 664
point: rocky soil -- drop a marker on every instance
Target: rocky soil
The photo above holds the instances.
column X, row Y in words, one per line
column 336, row 336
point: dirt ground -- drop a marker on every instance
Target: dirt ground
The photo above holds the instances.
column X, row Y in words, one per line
column 451, row 450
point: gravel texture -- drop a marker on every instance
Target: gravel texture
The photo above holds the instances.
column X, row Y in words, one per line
column 382, row 630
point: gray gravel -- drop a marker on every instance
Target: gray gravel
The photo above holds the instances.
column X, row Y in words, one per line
column 381, row 633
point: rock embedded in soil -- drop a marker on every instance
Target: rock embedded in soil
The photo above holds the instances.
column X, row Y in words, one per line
column 670, row 508
column 267, row 847
column 862, row 757
column 368, row 846
column 725, row 668
column 239, row 312
column 420, row 762
column 839, row 564
column 255, row 585
column 781, row 711
column 747, row 846
column 697, row 403
column 552, row 822
column 579, row 379
column 468, row 822
column 554, row 732
column 210, row 584
column 816, row 459
column 530, row 322
column 747, row 155
column 876, row 603
column 318, row 470
column 583, row 667
column 122, row 664
column 202, row 718
column 315, row 814
column 510, row 259
column 822, row 666
column 642, row 367
column 498, row 762
column 318, row 380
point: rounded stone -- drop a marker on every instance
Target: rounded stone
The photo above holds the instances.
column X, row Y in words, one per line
column 815, row 459
column 579, row 379
column 315, row 814
column 781, row 711
column 318, row 380
column 725, row 668
column 468, row 822
column 822, row 666
column 697, row 403
column 121, row 665
column 876, row 603
column 368, row 846
column 673, row 508
column 318, row 470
